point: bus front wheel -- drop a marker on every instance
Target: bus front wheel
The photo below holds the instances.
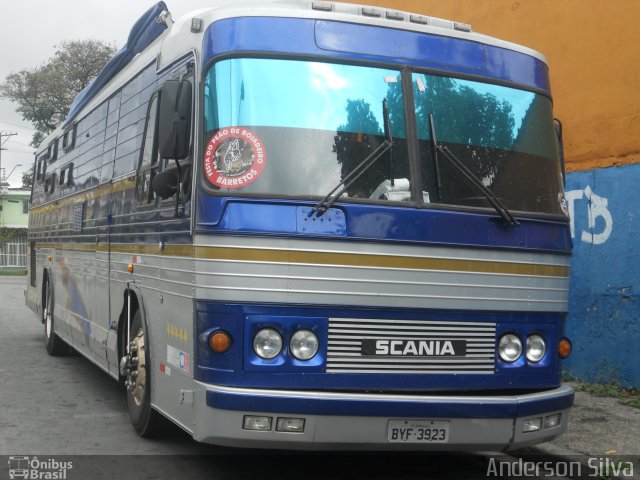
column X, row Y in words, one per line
column 147, row 422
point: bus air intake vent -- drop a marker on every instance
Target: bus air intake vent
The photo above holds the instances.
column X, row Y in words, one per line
column 410, row 346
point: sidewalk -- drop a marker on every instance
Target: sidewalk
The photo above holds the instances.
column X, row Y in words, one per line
column 597, row 426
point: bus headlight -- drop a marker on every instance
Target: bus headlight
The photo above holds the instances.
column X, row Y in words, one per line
column 304, row 344
column 267, row 343
column 536, row 348
column 509, row 347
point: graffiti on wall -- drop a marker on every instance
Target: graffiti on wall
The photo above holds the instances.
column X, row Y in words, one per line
column 600, row 221
column 604, row 292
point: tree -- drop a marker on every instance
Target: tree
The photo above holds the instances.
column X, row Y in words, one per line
column 353, row 142
column 6, row 234
column 477, row 127
column 44, row 94
column 27, row 179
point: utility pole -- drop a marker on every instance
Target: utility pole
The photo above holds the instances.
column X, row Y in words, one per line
column 3, row 139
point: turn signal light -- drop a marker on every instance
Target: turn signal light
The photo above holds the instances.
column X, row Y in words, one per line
column 564, row 348
column 220, row 341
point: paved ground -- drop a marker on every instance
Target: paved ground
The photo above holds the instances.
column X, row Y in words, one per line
column 601, row 425
column 66, row 406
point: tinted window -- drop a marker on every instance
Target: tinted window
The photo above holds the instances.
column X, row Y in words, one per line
column 295, row 128
column 505, row 136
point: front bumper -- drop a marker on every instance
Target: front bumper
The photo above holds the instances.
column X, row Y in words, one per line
column 359, row 421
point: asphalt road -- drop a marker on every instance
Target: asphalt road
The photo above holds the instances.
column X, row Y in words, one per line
column 62, row 407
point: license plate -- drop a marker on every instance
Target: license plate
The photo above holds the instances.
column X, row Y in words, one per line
column 418, row 431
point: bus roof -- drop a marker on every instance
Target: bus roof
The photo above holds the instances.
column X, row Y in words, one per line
column 149, row 37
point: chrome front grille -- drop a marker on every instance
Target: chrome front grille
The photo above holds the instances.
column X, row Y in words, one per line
column 410, row 346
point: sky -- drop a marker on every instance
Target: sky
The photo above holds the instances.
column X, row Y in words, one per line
column 30, row 31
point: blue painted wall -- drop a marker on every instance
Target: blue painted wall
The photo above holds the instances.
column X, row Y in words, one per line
column 604, row 319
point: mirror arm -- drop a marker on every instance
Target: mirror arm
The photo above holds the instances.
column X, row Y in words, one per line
column 179, row 181
column 558, row 129
column 175, row 139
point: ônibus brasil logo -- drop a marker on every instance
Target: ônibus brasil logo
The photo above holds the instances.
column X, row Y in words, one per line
column 38, row 469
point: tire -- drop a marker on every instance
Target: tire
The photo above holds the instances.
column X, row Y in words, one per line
column 56, row 347
column 147, row 422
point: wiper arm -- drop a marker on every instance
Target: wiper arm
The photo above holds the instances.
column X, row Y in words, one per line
column 325, row 204
column 471, row 177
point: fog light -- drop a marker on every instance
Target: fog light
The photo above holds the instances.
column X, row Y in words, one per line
column 304, row 344
column 552, row 421
column 262, row 424
column 536, row 348
column 267, row 343
column 290, row 425
column 509, row 347
column 532, row 425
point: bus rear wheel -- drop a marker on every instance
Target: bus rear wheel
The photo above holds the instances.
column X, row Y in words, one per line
column 147, row 422
column 54, row 344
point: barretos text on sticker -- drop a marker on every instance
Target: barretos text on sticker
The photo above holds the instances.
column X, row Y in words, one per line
column 234, row 158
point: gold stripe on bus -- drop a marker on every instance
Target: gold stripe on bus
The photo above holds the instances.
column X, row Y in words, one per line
column 379, row 261
column 325, row 258
column 106, row 189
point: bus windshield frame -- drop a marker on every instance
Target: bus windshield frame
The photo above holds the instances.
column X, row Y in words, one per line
column 282, row 127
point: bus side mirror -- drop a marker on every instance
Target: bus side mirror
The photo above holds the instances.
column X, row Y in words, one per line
column 558, row 126
column 174, row 128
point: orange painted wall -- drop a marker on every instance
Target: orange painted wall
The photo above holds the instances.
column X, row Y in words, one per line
column 593, row 50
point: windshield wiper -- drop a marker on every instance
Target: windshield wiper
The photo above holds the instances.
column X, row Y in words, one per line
column 325, row 204
column 469, row 175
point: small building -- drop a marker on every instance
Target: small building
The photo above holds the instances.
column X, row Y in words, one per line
column 14, row 220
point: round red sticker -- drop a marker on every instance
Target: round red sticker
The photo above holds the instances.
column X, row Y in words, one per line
column 234, row 158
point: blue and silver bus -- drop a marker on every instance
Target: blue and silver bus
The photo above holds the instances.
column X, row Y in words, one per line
column 308, row 224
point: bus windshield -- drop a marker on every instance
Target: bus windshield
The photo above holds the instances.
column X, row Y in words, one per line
column 291, row 128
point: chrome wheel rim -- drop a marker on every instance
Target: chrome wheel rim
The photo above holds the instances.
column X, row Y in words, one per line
column 140, row 379
column 47, row 314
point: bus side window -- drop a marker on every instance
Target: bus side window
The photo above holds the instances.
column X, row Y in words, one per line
column 50, row 184
column 149, row 158
column 41, row 168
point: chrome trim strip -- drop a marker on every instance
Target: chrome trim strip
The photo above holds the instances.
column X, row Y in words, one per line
column 386, row 282
column 404, row 372
column 413, row 333
column 444, row 336
column 347, row 327
column 406, row 362
column 398, row 397
column 411, row 322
